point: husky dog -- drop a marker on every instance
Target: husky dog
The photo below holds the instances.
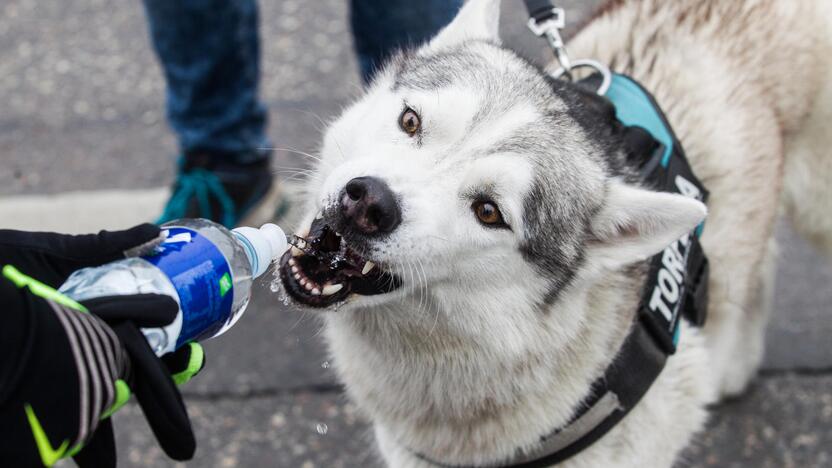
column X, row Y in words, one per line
column 488, row 242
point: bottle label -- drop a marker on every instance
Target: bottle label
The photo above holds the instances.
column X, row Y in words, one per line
column 202, row 278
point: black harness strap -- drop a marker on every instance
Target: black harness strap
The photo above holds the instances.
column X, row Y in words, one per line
column 655, row 333
column 628, row 378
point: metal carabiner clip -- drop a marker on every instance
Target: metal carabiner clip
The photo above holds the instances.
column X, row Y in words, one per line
column 550, row 29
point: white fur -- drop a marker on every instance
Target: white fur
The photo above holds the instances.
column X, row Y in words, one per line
column 634, row 224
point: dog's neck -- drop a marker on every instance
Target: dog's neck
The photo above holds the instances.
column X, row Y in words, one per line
column 479, row 392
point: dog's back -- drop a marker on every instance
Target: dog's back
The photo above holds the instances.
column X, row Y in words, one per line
column 808, row 167
column 769, row 57
column 747, row 85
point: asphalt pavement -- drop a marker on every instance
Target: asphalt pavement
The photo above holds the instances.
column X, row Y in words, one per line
column 81, row 109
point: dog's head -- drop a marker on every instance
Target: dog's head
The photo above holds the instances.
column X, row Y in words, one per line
column 468, row 178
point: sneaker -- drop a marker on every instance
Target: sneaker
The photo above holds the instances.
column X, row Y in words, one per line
column 223, row 191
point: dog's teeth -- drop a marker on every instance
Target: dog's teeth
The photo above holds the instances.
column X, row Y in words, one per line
column 295, row 269
column 296, row 252
column 292, row 264
column 297, row 276
column 338, row 234
column 367, row 267
column 309, row 286
column 316, row 292
column 303, row 282
column 331, row 289
column 320, row 215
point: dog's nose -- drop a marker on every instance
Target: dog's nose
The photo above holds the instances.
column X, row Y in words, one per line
column 369, row 206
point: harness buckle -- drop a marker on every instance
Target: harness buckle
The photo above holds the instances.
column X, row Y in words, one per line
column 550, row 29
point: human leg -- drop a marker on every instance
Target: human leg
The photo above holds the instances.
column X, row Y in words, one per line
column 381, row 27
column 209, row 52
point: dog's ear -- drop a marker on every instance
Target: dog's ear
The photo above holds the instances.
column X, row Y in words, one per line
column 635, row 224
column 477, row 20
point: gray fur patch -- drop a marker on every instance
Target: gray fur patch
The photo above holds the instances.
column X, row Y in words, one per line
column 569, row 149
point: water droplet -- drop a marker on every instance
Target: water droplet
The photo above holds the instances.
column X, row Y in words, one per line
column 325, row 364
column 321, row 428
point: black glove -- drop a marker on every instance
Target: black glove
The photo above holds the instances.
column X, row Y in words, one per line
column 65, row 367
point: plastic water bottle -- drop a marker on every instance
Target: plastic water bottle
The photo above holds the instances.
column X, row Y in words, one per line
column 202, row 265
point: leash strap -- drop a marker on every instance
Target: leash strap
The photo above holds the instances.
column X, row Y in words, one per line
column 540, row 10
column 545, row 20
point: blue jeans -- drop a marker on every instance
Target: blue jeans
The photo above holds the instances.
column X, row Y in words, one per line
column 210, row 52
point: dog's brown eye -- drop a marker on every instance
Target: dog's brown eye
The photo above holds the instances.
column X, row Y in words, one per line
column 410, row 122
column 488, row 213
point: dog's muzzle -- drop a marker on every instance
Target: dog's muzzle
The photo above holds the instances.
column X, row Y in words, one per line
column 326, row 267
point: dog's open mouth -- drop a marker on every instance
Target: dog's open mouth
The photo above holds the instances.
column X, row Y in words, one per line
column 323, row 270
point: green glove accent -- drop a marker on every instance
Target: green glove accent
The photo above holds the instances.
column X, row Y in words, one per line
column 74, row 450
column 123, row 313
column 123, row 392
column 195, row 362
column 39, row 289
column 48, row 455
column 122, row 397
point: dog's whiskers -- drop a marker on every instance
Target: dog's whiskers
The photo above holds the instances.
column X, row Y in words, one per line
column 296, row 151
column 323, row 126
column 426, row 297
column 422, row 283
column 299, row 174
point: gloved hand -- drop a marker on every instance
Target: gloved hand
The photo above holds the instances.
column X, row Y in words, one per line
column 65, row 367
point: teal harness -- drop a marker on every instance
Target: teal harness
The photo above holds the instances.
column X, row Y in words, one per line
column 634, row 107
column 669, row 292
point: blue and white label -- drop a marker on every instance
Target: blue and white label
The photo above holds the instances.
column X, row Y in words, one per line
column 202, row 278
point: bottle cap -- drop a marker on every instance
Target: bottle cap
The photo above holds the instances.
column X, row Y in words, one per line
column 276, row 238
column 262, row 246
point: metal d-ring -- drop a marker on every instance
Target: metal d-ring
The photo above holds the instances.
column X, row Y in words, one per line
column 587, row 63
